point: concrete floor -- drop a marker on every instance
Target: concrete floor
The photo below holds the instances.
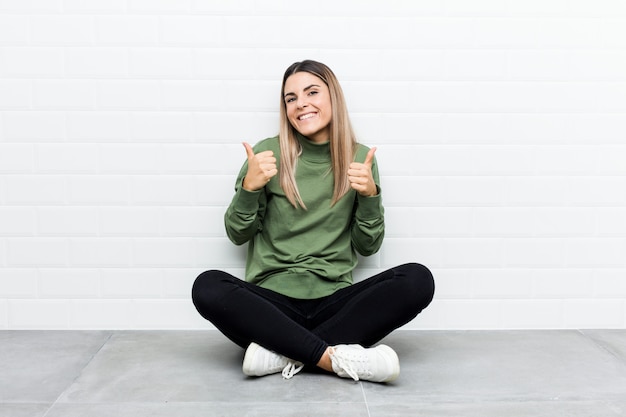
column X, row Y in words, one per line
column 198, row 373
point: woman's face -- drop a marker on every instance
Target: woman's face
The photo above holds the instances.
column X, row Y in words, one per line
column 307, row 101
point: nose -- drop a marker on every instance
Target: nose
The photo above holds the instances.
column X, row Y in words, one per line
column 301, row 103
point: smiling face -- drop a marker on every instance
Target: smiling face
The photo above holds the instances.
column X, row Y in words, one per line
column 308, row 106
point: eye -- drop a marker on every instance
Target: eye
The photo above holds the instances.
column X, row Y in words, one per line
column 290, row 99
column 312, row 92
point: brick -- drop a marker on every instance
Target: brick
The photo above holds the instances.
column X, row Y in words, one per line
column 412, row 128
column 36, row 6
column 485, row 191
column 215, row 127
column 15, row 94
column 565, row 160
column 610, row 160
column 38, row 314
column 607, row 314
column 67, row 158
column 192, row 30
column 95, row 62
column 163, row 190
column 227, row 64
column 500, row 284
column 452, row 283
column 69, row 283
column 411, row 64
column 94, row 6
column 473, row 252
column 100, row 126
column 159, row 6
column 611, row 221
column 37, row 252
column 400, row 222
column 533, row 314
column 564, row 221
column 105, row 190
column 170, row 252
column 17, row 159
column 214, row 190
column 595, row 191
column 61, row 30
column 168, row 314
column 595, row 252
column 413, row 191
column 532, row 252
column 561, row 283
column 193, row 95
column 161, row 127
column 128, row 95
column 126, row 30
column 101, row 314
column 35, row 189
column 469, row 314
column 193, row 158
column 161, row 63
column 17, row 221
column 501, row 221
column 131, row 158
column 100, row 252
column 33, row 126
column 67, row 221
column 18, row 283
column 536, row 191
column 427, row 251
column 33, row 62
column 64, row 94
column 129, row 221
column 177, row 282
column 219, row 253
column 13, row 30
column 193, row 221
column 443, row 221
column 124, row 283
column 608, row 283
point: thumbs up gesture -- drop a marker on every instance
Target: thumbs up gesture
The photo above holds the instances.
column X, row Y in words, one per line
column 261, row 168
column 360, row 176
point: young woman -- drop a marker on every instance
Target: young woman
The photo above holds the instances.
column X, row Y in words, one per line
column 306, row 202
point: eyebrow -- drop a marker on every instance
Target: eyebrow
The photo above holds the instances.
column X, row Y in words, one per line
column 305, row 89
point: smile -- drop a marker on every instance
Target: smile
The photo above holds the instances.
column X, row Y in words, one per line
column 306, row 116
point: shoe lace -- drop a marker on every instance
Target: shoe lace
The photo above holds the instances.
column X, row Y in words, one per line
column 291, row 369
column 351, row 363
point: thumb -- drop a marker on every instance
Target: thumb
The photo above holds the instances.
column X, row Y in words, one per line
column 370, row 157
column 249, row 150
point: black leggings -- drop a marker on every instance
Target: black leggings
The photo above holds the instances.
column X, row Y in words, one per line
column 301, row 330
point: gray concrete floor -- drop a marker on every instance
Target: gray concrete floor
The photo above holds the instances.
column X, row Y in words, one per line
column 198, row 373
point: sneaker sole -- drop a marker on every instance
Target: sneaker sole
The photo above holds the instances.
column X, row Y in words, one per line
column 392, row 360
column 247, row 359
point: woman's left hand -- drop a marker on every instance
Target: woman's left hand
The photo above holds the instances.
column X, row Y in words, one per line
column 360, row 176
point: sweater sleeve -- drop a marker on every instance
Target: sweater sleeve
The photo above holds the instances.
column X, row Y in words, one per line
column 368, row 224
column 244, row 216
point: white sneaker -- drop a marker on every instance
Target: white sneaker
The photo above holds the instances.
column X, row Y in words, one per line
column 259, row 361
column 377, row 364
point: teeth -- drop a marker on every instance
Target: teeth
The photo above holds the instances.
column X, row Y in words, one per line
column 306, row 116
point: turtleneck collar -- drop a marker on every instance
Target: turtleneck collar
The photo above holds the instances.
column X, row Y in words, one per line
column 315, row 152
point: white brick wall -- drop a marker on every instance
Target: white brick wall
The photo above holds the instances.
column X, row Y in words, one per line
column 500, row 127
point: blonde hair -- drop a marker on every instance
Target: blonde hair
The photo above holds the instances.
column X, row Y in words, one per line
column 342, row 139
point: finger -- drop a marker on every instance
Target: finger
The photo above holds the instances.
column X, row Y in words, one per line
column 249, row 150
column 370, row 157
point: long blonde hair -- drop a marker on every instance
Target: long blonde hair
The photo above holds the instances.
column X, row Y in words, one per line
column 342, row 139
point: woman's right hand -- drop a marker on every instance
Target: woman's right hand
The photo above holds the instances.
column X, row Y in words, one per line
column 261, row 168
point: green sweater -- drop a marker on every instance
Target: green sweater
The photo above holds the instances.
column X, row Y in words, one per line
column 304, row 253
